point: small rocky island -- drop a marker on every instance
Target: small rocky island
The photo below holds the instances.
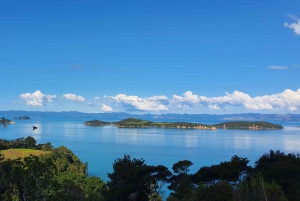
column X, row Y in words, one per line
column 96, row 123
column 23, row 118
column 138, row 123
column 6, row 121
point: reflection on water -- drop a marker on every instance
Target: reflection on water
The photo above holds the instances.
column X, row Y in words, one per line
column 99, row 146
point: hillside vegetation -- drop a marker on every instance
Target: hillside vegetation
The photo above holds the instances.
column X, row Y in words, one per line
column 60, row 175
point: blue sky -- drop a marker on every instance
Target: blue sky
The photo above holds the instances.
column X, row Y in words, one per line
column 150, row 56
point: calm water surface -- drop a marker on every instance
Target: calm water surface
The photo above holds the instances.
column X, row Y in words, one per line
column 99, row 146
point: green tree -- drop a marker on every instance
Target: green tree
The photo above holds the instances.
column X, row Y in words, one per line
column 132, row 179
column 30, row 142
column 182, row 167
column 282, row 169
column 229, row 171
column 28, row 179
column 181, row 183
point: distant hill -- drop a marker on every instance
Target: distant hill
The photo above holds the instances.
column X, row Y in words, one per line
column 155, row 117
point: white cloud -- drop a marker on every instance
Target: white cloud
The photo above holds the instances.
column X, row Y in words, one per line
column 155, row 103
column 278, row 67
column 295, row 66
column 96, row 98
column 106, row 108
column 37, row 98
column 73, row 97
column 294, row 26
column 288, row 100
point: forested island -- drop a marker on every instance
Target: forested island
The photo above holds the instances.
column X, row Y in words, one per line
column 138, row 123
column 57, row 174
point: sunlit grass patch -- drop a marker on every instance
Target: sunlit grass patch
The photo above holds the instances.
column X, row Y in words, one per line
column 21, row 153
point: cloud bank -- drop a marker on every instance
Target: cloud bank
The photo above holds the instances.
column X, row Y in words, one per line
column 37, row 98
column 73, row 97
column 288, row 100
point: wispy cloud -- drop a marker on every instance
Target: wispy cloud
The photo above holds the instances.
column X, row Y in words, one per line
column 106, row 108
column 77, row 66
column 74, row 97
column 37, row 98
column 295, row 66
column 278, row 67
column 295, row 26
column 155, row 103
column 96, row 98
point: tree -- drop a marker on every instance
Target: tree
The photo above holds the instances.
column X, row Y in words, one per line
column 30, row 142
column 134, row 180
column 28, row 179
column 282, row 169
column 229, row 171
column 182, row 167
column 181, row 183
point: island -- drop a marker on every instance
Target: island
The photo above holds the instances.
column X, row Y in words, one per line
column 138, row 123
column 257, row 125
column 6, row 121
column 95, row 123
column 23, row 118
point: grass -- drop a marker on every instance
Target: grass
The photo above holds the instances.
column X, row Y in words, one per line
column 21, row 153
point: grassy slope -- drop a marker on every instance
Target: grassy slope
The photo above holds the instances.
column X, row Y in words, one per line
column 21, row 153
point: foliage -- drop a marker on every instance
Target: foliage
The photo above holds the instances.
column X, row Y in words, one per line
column 22, row 142
column 282, row 169
column 28, row 179
column 85, row 188
column 182, row 167
column 257, row 189
column 134, row 180
column 65, row 160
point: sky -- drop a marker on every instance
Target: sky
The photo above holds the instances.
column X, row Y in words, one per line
column 179, row 56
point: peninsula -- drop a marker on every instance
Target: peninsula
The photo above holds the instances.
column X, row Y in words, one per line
column 138, row 123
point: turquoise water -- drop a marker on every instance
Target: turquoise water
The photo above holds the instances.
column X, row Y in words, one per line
column 99, row 146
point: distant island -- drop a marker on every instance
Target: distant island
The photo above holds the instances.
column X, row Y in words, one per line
column 3, row 120
column 248, row 125
column 96, row 123
column 23, row 118
column 138, row 123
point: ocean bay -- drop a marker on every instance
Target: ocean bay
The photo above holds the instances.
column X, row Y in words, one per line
column 99, row 146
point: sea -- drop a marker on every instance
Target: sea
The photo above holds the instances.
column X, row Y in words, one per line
column 100, row 146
